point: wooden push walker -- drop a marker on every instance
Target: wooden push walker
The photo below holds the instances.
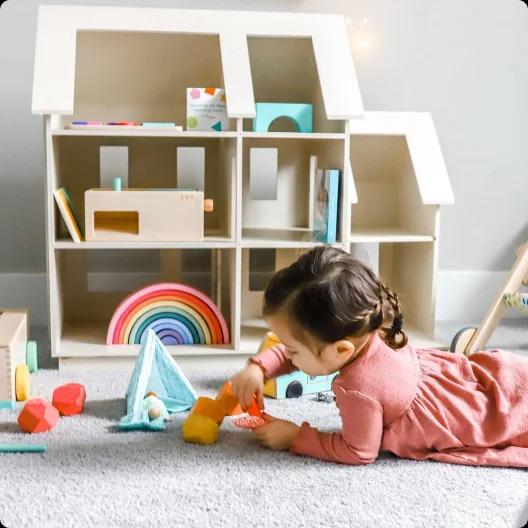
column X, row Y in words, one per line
column 471, row 339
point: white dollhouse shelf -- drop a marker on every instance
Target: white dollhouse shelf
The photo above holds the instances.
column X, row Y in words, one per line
column 393, row 179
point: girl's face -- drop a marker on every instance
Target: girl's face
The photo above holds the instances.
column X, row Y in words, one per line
column 304, row 356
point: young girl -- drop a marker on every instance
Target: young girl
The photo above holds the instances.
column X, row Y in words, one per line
column 331, row 314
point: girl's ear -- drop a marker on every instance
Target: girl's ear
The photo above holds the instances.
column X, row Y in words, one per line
column 339, row 351
column 344, row 349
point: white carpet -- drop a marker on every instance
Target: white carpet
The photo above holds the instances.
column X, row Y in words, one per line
column 95, row 476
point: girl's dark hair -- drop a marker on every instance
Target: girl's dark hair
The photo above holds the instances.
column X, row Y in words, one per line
column 331, row 295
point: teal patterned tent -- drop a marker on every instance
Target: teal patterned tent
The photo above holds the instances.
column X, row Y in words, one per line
column 155, row 370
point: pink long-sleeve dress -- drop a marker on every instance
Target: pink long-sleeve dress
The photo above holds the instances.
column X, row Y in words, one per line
column 422, row 404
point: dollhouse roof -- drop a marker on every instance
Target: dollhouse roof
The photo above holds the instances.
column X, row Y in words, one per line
column 424, row 150
column 55, row 55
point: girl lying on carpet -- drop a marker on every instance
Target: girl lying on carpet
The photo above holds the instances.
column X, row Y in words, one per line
column 331, row 313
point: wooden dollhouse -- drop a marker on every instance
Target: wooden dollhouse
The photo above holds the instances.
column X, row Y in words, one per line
column 135, row 64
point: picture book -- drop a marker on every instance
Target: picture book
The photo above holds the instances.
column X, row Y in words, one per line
column 68, row 213
column 207, row 109
column 326, row 204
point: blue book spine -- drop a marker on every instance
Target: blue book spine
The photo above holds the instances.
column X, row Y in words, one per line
column 332, row 177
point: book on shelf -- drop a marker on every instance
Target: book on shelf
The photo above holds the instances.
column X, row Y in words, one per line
column 326, row 204
column 68, row 213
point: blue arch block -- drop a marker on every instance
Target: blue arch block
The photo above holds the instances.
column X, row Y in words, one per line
column 299, row 113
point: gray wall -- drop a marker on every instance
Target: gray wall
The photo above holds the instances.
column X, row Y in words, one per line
column 465, row 62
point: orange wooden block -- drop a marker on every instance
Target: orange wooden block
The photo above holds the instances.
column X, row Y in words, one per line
column 228, row 400
column 210, row 408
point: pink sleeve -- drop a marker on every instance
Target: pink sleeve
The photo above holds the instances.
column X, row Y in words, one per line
column 274, row 362
column 360, row 439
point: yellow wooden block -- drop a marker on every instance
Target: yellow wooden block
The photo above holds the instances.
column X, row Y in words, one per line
column 200, row 429
column 22, row 383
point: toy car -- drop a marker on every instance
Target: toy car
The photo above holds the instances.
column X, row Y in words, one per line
column 294, row 384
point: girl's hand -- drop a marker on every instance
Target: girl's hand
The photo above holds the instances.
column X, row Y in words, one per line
column 247, row 384
column 277, row 434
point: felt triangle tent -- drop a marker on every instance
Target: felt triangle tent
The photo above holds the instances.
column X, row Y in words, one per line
column 155, row 370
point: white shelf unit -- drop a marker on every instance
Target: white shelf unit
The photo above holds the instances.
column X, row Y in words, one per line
column 392, row 178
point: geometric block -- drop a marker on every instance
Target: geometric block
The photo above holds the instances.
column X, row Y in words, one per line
column 38, row 416
column 200, row 429
column 299, row 113
column 32, row 356
column 210, row 408
column 69, row 399
column 263, row 164
column 228, row 400
column 7, row 404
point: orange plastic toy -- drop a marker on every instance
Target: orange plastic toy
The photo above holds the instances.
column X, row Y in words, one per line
column 228, row 400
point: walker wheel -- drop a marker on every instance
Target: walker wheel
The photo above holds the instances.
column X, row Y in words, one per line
column 22, row 383
column 32, row 356
column 461, row 340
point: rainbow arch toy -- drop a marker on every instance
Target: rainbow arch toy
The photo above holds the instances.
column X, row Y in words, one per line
column 178, row 314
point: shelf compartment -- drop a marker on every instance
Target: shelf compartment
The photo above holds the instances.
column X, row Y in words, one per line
column 409, row 270
column 92, row 283
column 388, row 198
column 284, row 70
column 151, row 164
column 258, row 266
column 291, row 210
column 149, row 88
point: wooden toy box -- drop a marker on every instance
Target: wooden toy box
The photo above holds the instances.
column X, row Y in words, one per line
column 13, row 342
column 164, row 215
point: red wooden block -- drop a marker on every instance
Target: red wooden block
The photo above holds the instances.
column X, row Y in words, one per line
column 69, row 399
column 38, row 416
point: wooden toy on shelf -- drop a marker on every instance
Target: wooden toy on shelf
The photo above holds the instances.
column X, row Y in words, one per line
column 299, row 113
column 179, row 314
column 18, row 358
column 471, row 339
column 38, row 416
column 146, row 215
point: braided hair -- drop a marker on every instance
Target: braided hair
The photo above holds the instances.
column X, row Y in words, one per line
column 331, row 295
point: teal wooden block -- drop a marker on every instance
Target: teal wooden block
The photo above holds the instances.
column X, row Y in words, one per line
column 300, row 113
column 116, row 184
column 23, row 448
column 7, row 404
